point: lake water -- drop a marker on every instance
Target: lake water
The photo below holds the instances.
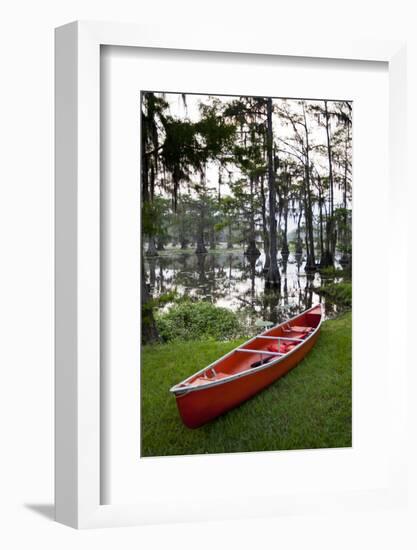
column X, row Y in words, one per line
column 230, row 279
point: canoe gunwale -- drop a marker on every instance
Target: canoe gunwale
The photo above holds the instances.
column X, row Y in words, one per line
column 180, row 390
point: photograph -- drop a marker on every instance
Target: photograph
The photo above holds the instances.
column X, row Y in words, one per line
column 246, row 273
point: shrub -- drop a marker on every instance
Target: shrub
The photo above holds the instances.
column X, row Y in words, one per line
column 339, row 293
column 197, row 321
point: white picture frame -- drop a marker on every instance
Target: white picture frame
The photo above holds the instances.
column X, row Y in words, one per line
column 78, row 426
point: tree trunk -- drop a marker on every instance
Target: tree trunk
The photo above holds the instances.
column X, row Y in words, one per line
column 328, row 258
column 279, row 222
column 306, row 236
column 152, row 273
column 212, row 238
column 285, row 250
column 145, row 179
column 182, row 236
column 252, row 249
column 272, row 278
column 161, row 279
column 152, row 251
column 201, row 267
column 311, row 260
column 265, row 227
column 345, row 260
column 201, row 247
column 299, row 244
column 321, row 222
column 229, row 235
column 252, row 267
column 149, row 330
column 160, row 244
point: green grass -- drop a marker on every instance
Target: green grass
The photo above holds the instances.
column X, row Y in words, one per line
column 308, row 408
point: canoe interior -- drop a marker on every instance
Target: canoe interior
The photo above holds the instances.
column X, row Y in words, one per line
column 265, row 347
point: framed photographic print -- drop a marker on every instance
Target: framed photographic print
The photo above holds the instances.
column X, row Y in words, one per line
column 221, row 345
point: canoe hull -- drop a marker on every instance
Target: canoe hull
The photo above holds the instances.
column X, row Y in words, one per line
column 199, row 407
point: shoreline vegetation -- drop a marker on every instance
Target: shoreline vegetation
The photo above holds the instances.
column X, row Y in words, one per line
column 186, row 319
column 308, row 408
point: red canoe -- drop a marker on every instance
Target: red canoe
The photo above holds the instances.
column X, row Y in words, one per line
column 247, row 370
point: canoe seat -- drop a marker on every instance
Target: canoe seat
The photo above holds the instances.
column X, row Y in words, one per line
column 203, row 379
column 284, row 347
column 301, row 329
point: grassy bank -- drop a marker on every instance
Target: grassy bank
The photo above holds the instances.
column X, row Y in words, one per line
column 310, row 407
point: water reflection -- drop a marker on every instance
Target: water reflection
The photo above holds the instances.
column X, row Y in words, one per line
column 235, row 281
